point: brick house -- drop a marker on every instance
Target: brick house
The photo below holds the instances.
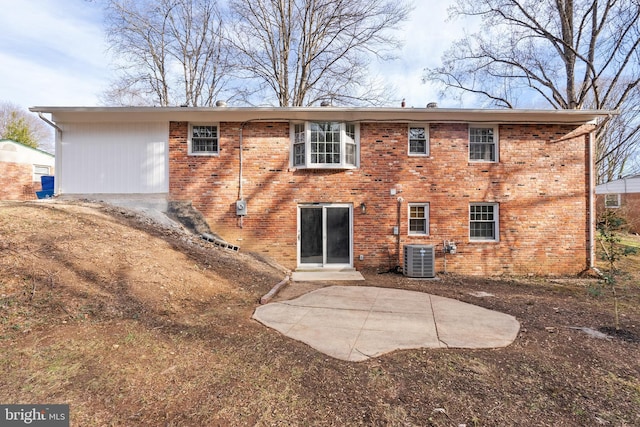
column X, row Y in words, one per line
column 20, row 170
column 623, row 195
column 327, row 187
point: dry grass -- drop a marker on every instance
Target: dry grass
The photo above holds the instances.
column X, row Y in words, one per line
column 132, row 324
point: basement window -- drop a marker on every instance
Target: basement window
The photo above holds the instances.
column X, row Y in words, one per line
column 419, row 218
column 483, row 222
column 203, row 139
column 325, row 145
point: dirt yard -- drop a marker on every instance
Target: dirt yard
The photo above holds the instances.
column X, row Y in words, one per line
column 132, row 323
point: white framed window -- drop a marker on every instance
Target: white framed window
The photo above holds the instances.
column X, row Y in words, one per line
column 40, row 170
column 484, row 222
column 299, row 144
column 483, row 143
column 612, row 200
column 325, row 145
column 418, row 140
column 419, row 218
column 203, row 139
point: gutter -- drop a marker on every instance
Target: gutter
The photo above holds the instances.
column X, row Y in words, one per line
column 49, row 122
column 247, row 114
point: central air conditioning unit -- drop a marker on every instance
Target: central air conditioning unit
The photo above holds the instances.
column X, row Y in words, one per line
column 419, row 261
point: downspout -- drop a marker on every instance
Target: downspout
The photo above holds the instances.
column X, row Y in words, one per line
column 58, row 151
column 49, row 122
column 399, row 258
column 240, row 172
column 240, row 166
column 592, row 220
column 592, row 184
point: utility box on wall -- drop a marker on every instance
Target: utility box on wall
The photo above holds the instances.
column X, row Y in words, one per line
column 241, row 207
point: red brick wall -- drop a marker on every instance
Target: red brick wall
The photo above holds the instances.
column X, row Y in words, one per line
column 541, row 184
column 629, row 209
column 16, row 182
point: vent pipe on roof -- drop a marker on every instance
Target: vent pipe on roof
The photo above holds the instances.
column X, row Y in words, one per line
column 432, row 105
column 325, row 104
column 221, row 103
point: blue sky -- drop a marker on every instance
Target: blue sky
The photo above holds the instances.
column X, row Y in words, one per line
column 53, row 53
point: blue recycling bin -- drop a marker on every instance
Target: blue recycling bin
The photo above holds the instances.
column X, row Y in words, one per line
column 47, row 182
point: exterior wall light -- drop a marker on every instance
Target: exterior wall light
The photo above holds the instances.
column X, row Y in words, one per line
column 363, row 208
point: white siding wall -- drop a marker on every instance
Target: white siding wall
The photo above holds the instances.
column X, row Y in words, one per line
column 122, row 158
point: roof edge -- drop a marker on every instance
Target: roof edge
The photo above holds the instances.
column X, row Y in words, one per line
column 362, row 114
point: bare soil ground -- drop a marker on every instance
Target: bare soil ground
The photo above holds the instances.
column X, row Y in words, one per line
column 132, row 323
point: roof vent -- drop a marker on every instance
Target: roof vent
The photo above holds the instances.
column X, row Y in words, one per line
column 221, row 103
column 325, row 104
column 432, row 105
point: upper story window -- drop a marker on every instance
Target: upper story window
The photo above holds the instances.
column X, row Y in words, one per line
column 483, row 222
column 328, row 145
column 418, row 140
column 203, row 139
column 612, row 200
column 483, row 143
column 419, row 218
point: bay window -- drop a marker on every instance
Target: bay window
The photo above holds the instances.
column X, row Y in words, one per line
column 324, row 145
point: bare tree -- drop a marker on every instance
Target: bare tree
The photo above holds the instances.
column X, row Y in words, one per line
column 617, row 149
column 571, row 53
column 306, row 51
column 170, row 52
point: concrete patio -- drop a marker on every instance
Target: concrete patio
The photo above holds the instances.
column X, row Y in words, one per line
column 356, row 323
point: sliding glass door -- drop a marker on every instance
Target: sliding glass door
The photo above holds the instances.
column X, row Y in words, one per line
column 324, row 235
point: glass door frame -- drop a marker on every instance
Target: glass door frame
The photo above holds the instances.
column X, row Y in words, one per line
column 325, row 264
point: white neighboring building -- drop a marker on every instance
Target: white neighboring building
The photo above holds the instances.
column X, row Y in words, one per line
column 622, row 194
